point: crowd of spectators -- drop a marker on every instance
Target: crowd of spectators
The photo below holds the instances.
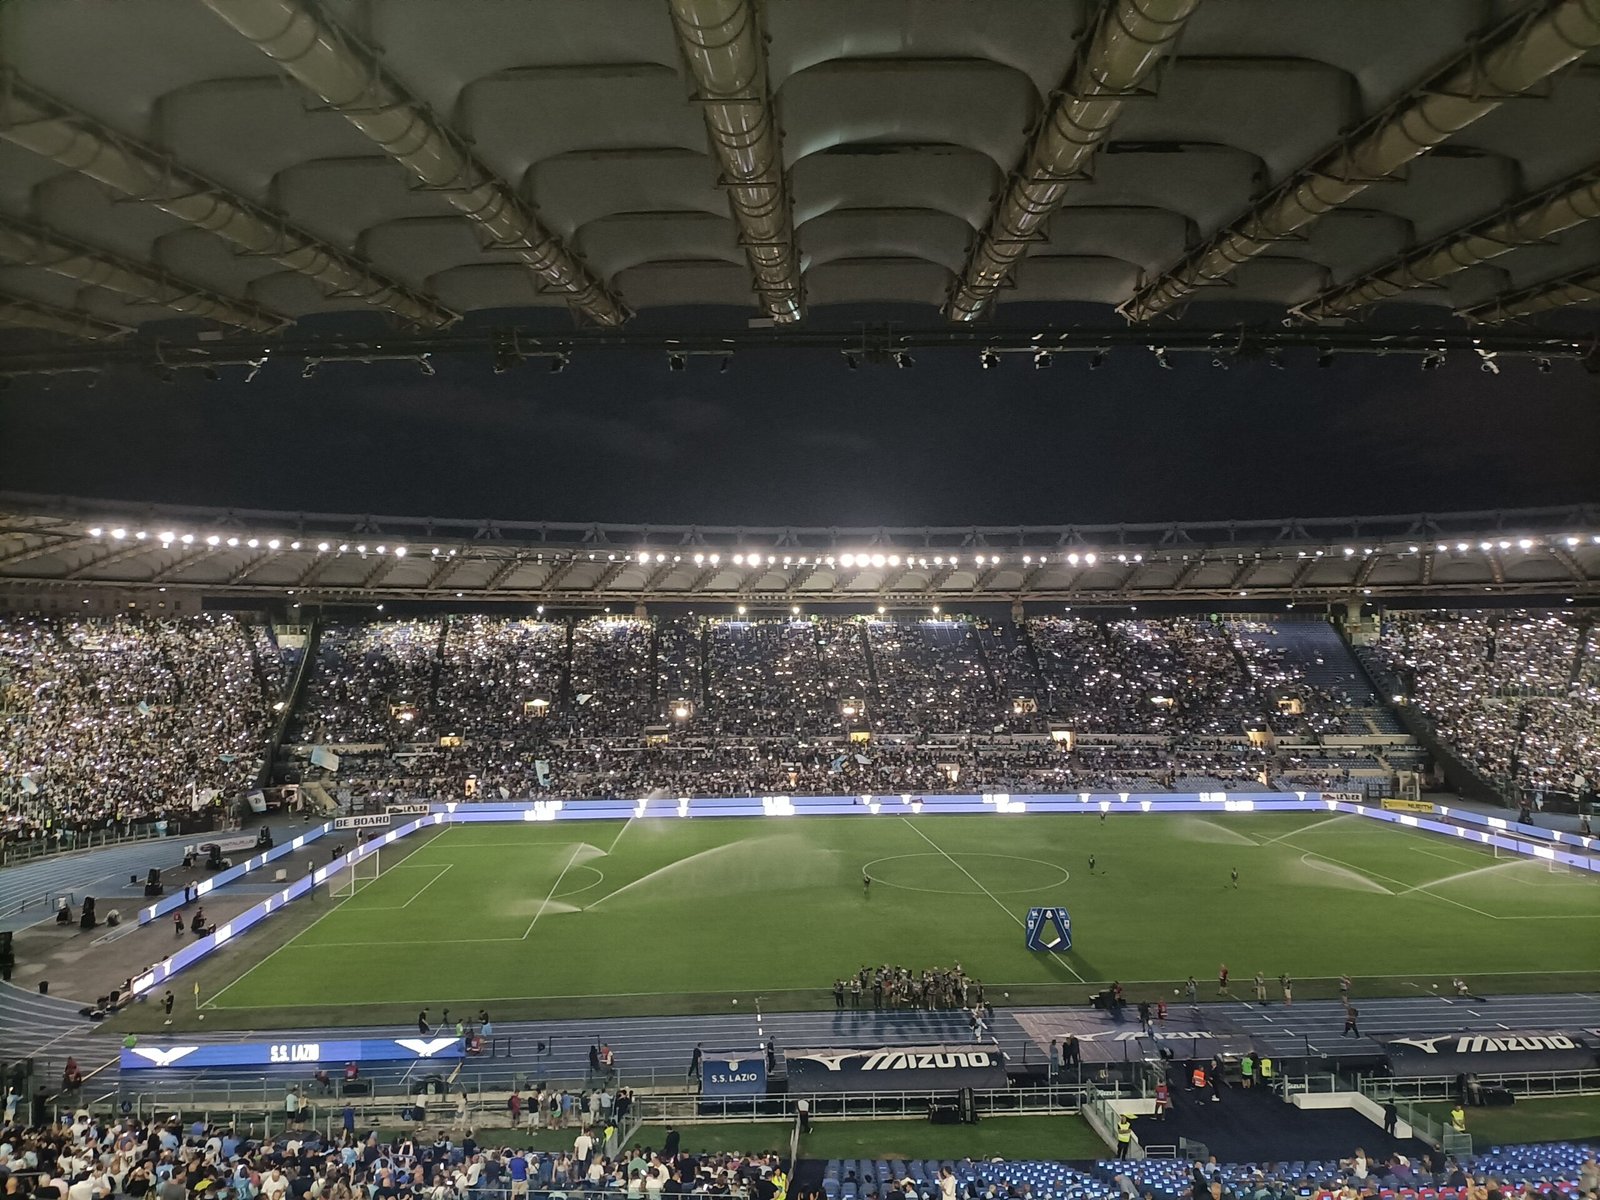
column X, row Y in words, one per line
column 372, row 683
column 1511, row 690
column 105, row 722
column 89, row 1159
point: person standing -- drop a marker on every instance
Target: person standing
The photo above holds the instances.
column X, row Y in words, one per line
column 1072, row 1051
column 514, row 1107
column 1350, row 1015
column 1163, row 1099
column 1192, row 987
column 1055, row 1059
column 422, row 1023
column 1344, row 988
column 1222, row 980
column 802, row 1109
column 1124, row 1135
column 838, row 993
column 1288, row 990
column 1247, row 1071
column 1458, row 1118
column 1235, row 874
column 1261, row 988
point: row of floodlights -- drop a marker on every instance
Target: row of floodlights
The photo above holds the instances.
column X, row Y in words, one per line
column 754, row 559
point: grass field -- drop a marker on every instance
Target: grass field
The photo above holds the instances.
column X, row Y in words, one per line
column 665, row 915
column 1557, row 1119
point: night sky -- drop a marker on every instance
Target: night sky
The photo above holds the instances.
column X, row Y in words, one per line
column 795, row 438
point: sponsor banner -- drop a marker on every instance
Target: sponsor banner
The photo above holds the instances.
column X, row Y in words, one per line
column 897, row 1069
column 370, row 821
column 1490, row 1053
column 1422, row 806
column 1348, row 797
column 334, row 1052
column 406, row 810
column 733, row 1073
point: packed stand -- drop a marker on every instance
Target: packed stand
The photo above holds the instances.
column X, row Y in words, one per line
column 931, row 678
column 105, row 722
column 610, row 678
column 373, row 683
column 767, row 678
column 1512, row 691
column 89, row 1159
column 499, row 677
column 678, row 675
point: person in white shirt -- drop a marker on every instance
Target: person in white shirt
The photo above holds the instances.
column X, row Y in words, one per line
column 274, row 1186
column 582, row 1146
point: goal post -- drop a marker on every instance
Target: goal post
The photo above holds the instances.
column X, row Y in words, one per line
column 352, row 878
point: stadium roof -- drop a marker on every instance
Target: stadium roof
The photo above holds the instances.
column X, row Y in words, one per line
column 257, row 165
column 50, row 543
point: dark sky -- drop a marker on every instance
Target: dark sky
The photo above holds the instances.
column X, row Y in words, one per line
column 795, row 438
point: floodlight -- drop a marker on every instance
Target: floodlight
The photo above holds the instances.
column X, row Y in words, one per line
column 677, row 361
column 988, row 359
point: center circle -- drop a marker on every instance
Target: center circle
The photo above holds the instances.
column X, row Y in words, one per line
column 966, row 874
column 567, row 890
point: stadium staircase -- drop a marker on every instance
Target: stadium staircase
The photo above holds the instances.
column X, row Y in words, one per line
column 291, row 701
column 872, row 670
column 438, row 664
column 318, row 798
column 1245, row 1120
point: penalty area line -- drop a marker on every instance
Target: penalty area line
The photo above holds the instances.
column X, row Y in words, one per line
column 545, row 903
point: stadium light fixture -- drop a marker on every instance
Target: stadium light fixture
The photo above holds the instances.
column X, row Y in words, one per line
column 96, row 531
column 988, row 359
column 881, row 610
column 677, row 361
column 1041, row 359
column 399, row 551
column 741, row 610
column 166, row 537
column 273, row 543
column 213, row 540
column 903, row 360
column 253, row 543
column 1525, row 544
column 233, row 541
column 119, row 534
column 322, row 547
column 794, row 610
column 1462, row 547
column 1161, row 357
column 187, row 539
column 344, row 547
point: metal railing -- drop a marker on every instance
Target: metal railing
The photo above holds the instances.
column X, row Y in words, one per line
column 1522, row 1083
column 70, row 841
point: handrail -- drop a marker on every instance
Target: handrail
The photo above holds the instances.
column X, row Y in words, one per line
column 1584, row 1082
column 13, row 853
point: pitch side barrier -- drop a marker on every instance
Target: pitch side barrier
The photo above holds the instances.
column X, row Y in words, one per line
column 864, row 807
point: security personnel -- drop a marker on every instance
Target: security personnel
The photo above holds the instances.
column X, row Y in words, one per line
column 1197, row 1078
column 1247, row 1070
column 1264, row 1069
column 1124, row 1135
column 780, row 1184
column 1458, row 1118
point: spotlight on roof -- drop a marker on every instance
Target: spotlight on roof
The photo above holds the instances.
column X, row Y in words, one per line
column 1161, row 357
column 1433, row 360
column 310, row 369
column 988, row 359
column 558, row 363
column 1098, row 359
column 903, row 360
column 1041, row 359
column 677, row 360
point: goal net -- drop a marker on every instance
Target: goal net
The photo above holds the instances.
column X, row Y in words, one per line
column 351, row 879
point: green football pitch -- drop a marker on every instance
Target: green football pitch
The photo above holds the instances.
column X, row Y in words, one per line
column 668, row 915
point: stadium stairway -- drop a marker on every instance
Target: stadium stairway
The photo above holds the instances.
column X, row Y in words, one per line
column 1244, row 1120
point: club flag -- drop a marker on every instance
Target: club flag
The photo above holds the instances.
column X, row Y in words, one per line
column 29, row 786
column 836, row 765
column 541, row 768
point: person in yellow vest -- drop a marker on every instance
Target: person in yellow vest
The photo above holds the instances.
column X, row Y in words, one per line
column 1124, row 1135
column 780, row 1184
column 1458, row 1118
column 1264, row 1070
